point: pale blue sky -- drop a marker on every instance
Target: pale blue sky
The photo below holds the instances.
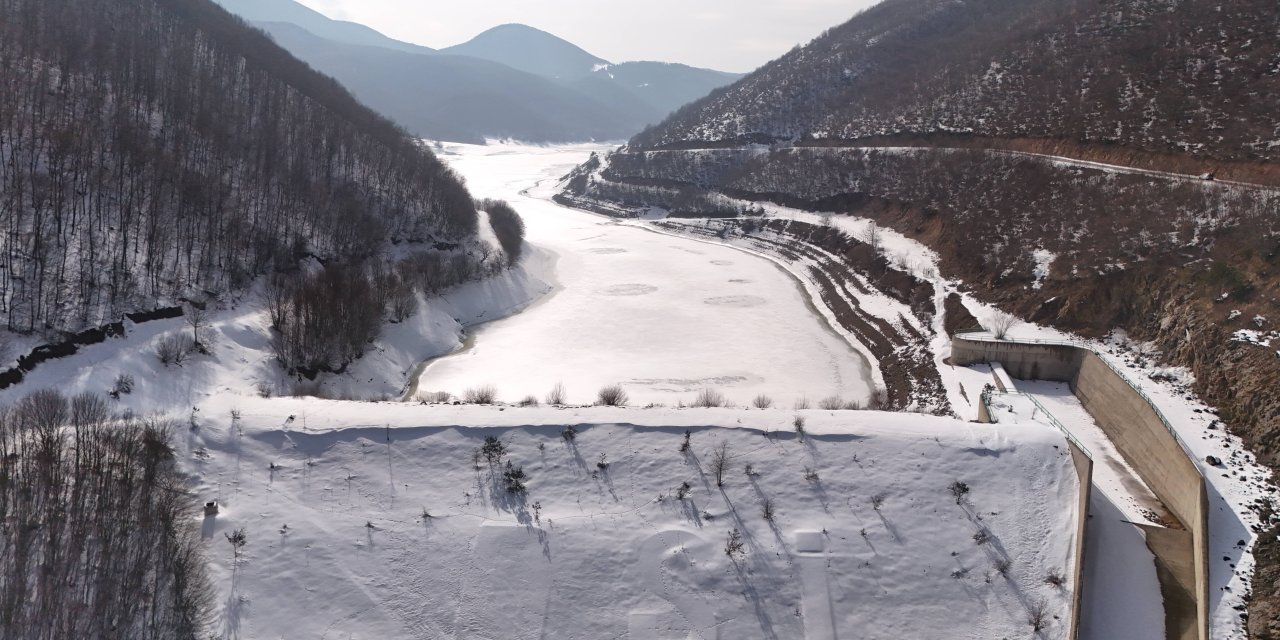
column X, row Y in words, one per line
column 731, row 35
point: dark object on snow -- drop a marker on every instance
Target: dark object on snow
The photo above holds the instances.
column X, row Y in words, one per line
column 159, row 314
column 1213, row 460
column 211, row 509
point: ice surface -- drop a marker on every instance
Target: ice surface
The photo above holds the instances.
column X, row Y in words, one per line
column 664, row 316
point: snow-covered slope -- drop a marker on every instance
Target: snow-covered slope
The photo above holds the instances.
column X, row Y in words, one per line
column 241, row 360
column 339, row 546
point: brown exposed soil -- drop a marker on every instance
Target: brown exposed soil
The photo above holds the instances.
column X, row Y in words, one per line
column 957, row 316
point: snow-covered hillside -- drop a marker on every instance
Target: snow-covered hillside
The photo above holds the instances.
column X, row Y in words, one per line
column 377, row 521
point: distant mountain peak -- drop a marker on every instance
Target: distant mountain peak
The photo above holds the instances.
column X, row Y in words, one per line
column 515, row 26
column 531, row 50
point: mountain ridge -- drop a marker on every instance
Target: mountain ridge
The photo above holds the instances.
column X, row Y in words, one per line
column 458, row 98
column 1048, row 72
column 498, row 89
column 317, row 23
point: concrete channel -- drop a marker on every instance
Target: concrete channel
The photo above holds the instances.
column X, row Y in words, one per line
column 1147, row 442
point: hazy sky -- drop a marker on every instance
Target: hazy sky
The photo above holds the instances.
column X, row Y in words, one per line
column 730, row 35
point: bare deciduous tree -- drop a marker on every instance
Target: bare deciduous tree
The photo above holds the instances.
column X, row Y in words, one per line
column 612, row 396
column 196, row 315
column 173, row 349
column 115, row 552
column 720, row 462
column 261, row 163
column 507, row 226
column 555, row 397
column 1000, row 323
column 872, row 236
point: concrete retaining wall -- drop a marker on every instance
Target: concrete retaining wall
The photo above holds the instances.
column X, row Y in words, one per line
column 1084, row 471
column 1139, row 433
column 1025, row 361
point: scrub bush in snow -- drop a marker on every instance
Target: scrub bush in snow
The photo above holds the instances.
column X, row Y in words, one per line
column 612, row 396
column 832, row 403
column 480, row 395
column 556, row 396
column 709, row 398
column 173, row 349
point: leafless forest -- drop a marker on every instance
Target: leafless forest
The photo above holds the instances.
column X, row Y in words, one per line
column 154, row 149
column 97, row 531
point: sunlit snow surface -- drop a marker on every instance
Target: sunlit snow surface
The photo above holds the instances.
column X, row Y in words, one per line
column 606, row 548
column 663, row 316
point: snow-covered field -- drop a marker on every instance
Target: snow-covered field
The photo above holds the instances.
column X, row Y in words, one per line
column 665, row 317
column 338, row 546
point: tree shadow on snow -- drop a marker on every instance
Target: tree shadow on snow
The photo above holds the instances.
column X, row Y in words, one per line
column 773, row 524
column 893, row 531
column 690, row 510
column 601, row 476
column 821, row 492
column 752, row 594
column 232, row 609
column 578, row 462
